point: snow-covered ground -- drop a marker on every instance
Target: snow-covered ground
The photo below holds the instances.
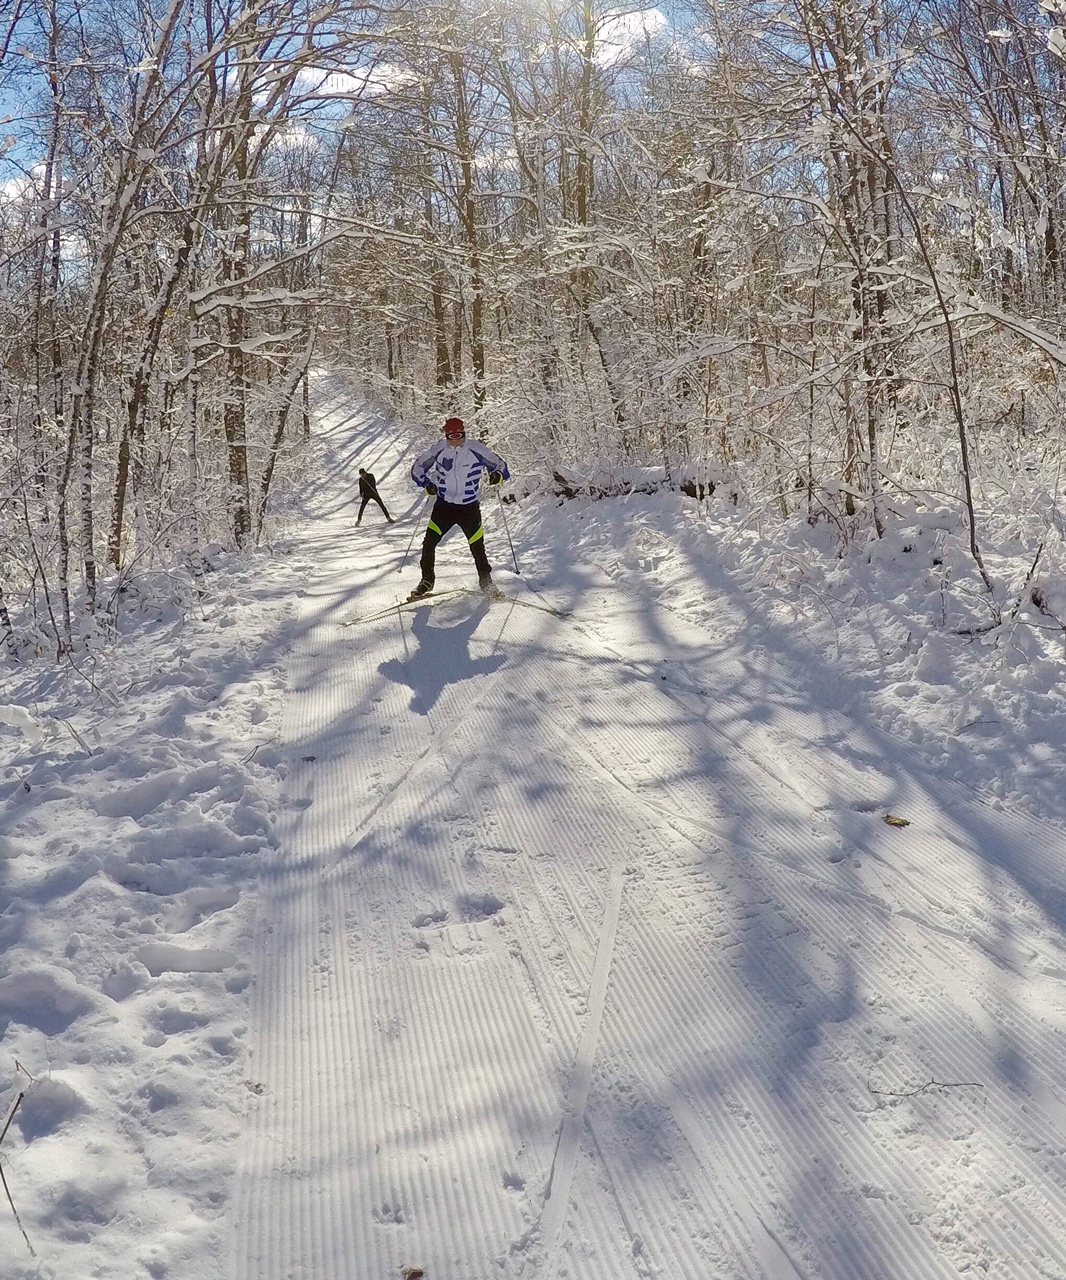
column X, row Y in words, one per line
column 487, row 942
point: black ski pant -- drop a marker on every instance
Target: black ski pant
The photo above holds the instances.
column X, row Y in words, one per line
column 372, row 497
column 443, row 516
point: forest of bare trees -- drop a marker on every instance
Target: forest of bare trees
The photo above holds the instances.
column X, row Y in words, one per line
column 813, row 251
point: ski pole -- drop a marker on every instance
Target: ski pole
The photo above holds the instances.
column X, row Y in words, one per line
column 503, row 512
column 403, row 636
column 418, row 525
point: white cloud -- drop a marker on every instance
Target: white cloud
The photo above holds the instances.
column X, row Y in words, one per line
column 18, row 190
column 293, row 135
column 345, row 84
column 622, row 31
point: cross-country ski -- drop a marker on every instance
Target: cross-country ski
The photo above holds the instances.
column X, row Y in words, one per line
column 494, row 595
column 405, row 604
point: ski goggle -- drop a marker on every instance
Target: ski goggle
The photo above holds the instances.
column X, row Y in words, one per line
column 454, row 435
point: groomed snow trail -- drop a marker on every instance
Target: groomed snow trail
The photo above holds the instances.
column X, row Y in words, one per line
column 588, row 952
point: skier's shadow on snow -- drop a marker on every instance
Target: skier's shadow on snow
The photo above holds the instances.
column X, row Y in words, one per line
column 442, row 657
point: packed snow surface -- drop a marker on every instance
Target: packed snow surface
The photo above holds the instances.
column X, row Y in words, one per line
column 713, row 930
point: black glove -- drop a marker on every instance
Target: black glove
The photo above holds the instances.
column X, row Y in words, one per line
column 495, row 477
column 431, row 489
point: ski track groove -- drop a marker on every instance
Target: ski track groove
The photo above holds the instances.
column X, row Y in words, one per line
column 694, row 1122
column 536, row 837
column 740, row 1246
column 669, row 1252
column 565, row 1159
column 430, row 1067
column 401, row 1189
column 953, row 1031
column 447, row 866
column 446, row 1199
column 641, row 999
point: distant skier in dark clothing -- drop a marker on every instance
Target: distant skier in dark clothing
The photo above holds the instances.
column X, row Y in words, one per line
column 368, row 491
column 452, row 469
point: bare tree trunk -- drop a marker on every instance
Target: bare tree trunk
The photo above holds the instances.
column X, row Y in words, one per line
column 137, row 393
column 440, row 336
column 838, row 34
column 5, row 623
column 235, row 270
column 468, row 221
column 64, row 538
column 284, row 408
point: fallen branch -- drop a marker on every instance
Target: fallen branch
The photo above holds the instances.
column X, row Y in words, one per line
column 976, row 631
column 7, row 1190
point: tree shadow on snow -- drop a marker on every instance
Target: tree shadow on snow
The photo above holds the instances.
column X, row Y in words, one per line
column 830, row 938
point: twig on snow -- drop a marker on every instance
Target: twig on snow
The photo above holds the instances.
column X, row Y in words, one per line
column 78, row 738
column 924, row 1088
column 10, row 1116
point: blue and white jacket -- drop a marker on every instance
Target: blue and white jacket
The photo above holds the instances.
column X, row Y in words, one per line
column 456, row 472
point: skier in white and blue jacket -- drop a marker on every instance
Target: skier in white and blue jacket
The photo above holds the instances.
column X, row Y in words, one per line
column 452, row 469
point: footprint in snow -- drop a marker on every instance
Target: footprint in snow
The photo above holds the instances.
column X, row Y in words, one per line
column 473, row 907
column 426, row 919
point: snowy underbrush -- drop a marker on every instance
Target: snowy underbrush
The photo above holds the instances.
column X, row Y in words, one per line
column 906, row 623
column 127, row 604
column 899, row 629
column 138, row 790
